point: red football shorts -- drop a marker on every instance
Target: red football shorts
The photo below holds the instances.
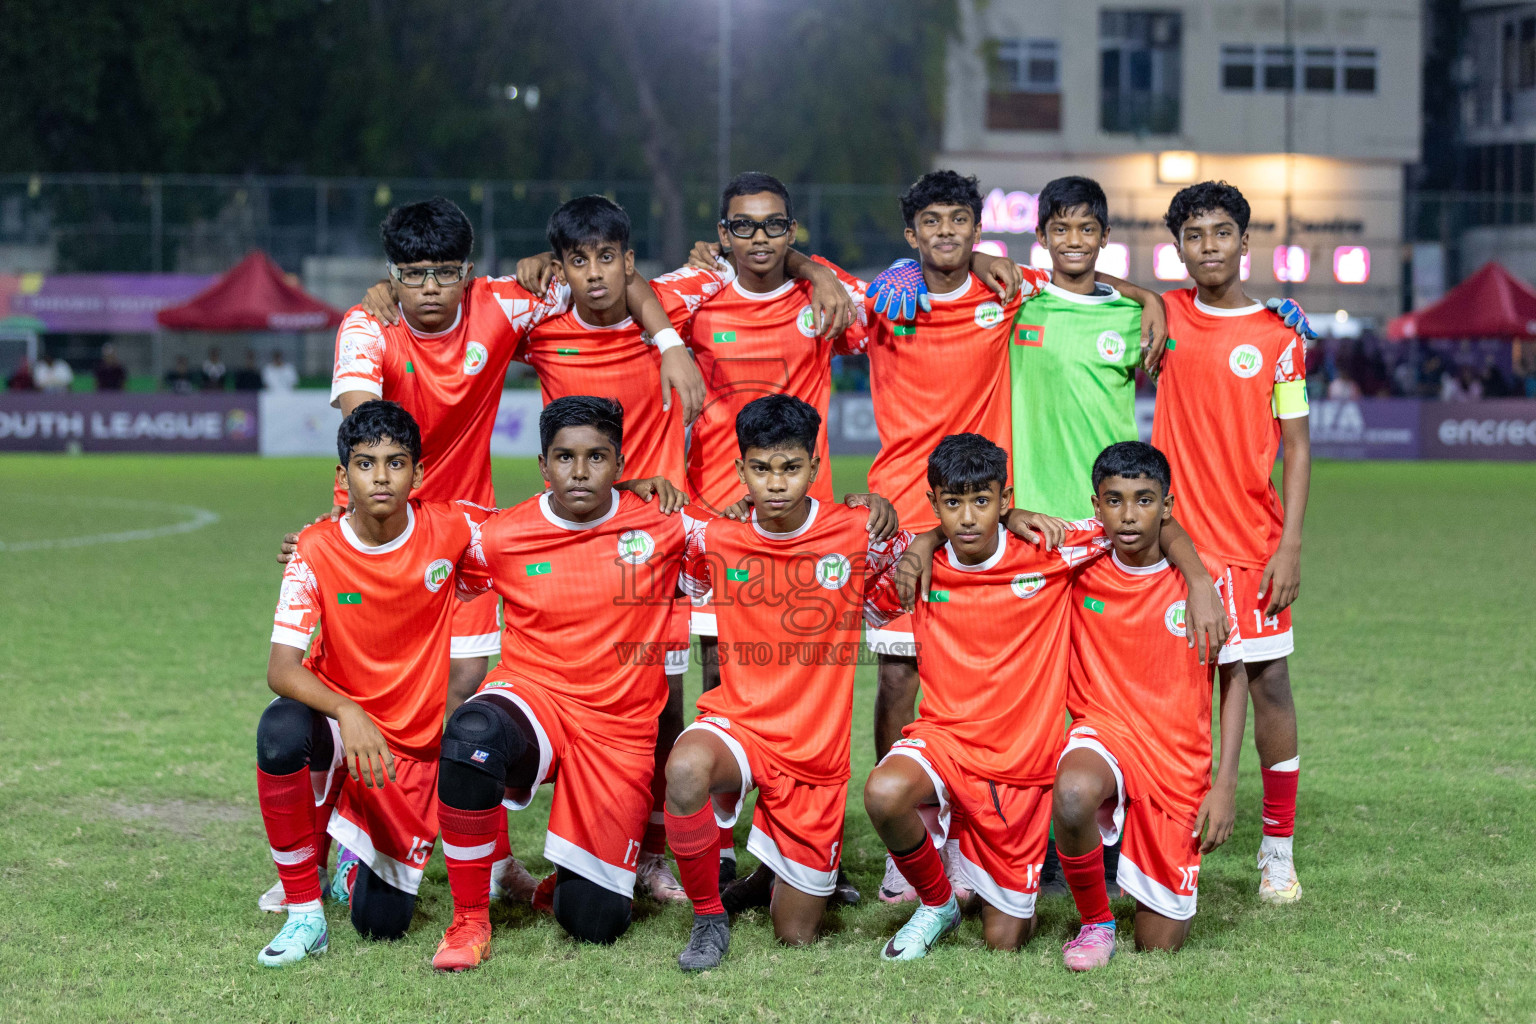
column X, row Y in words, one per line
column 1160, row 858
column 678, row 634
column 1264, row 637
column 391, row 829
column 476, row 629
column 797, row 828
column 1002, row 829
column 894, row 639
column 702, row 621
column 602, row 796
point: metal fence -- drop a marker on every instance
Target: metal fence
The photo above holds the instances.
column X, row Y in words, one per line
column 78, row 223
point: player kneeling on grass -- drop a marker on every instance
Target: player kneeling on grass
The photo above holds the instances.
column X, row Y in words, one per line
column 792, row 587
column 1138, row 756
column 587, row 577
column 370, row 696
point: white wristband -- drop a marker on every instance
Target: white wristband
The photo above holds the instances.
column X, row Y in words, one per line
column 666, row 339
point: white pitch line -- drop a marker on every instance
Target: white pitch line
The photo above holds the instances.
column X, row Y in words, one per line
column 200, row 517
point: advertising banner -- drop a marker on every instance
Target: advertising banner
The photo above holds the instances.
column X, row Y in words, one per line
column 1500, row 429
column 127, row 422
column 1366, row 428
column 97, row 303
column 303, row 423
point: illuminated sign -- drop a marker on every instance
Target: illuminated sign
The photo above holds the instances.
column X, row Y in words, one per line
column 1012, row 213
column 1115, row 260
column 1166, row 265
column 1352, row 264
column 1039, row 257
column 992, row 247
column 1247, row 266
column 1292, row 264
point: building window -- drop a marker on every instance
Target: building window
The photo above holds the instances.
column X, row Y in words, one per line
column 1319, row 71
column 1279, row 69
column 1359, row 70
column 1139, row 71
column 1024, row 85
column 1237, row 68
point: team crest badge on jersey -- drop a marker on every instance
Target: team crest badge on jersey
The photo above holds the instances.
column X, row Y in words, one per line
column 832, row 571
column 438, row 573
column 475, row 357
column 1027, row 584
column 1245, row 361
column 989, row 314
column 1173, row 618
column 908, row 741
column 806, row 321
column 635, row 546
column 1111, row 346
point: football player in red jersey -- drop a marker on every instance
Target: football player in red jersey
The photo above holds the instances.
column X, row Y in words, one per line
column 1138, row 756
column 361, row 714
column 1231, row 393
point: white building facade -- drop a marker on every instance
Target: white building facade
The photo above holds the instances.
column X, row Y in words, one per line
column 1312, row 109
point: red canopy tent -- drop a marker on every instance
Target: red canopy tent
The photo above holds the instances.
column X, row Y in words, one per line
column 254, row 296
column 1492, row 303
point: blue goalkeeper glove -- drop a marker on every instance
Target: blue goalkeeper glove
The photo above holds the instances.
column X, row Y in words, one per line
column 899, row 290
column 1290, row 314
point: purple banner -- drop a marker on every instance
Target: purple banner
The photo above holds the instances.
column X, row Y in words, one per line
column 1366, row 428
column 1503, row 429
column 127, row 422
column 99, row 303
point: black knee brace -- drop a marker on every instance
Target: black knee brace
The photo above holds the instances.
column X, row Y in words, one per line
column 379, row 910
column 588, row 911
column 486, row 748
column 291, row 735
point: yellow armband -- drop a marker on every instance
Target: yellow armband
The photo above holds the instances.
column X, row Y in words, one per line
column 1289, row 399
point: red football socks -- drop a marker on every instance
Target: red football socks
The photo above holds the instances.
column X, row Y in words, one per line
column 1085, row 877
column 472, row 841
column 925, row 870
column 288, row 811
column 695, row 842
column 1280, row 800
column 655, row 838
column 727, row 841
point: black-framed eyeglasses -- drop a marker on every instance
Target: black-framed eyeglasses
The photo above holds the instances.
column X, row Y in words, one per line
column 746, row 227
column 415, row 277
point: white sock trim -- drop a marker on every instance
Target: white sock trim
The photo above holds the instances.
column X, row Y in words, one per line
column 1293, row 765
column 302, row 909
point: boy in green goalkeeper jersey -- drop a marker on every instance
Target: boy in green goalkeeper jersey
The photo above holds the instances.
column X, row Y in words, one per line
column 1074, row 355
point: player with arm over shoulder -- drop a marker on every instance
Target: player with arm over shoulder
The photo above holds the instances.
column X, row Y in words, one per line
column 587, row 575
column 1138, row 754
column 362, row 713
column 1231, row 393
column 792, row 590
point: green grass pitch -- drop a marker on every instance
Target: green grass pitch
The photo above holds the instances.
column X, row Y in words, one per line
column 131, row 850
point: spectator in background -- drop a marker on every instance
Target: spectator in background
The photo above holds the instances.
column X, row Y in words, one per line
column 1495, row 385
column 180, row 378
column 22, row 379
column 279, row 375
column 110, row 372
column 1343, row 387
column 1432, row 375
column 1461, row 386
column 213, row 371
column 1405, row 377
column 248, row 377
column 53, row 375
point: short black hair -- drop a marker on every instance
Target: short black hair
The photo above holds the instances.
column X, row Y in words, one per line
column 587, row 220
column 965, row 463
column 432, row 230
column 778, row 421
column 372, row 422
column 582, row 411
column 945, row 188
column 750, row 183
column 1061, row 195
column 1203, row 198
column 1132, row 460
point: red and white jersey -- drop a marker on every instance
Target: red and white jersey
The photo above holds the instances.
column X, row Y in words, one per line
column 992, row 643
column 381, row 617
column 1137, row 683
column 451, row 381
column 620, row 362
column 749, row 345
column 1227, row 378
column 587, row 607
column 791, row 609
column 946, row 373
